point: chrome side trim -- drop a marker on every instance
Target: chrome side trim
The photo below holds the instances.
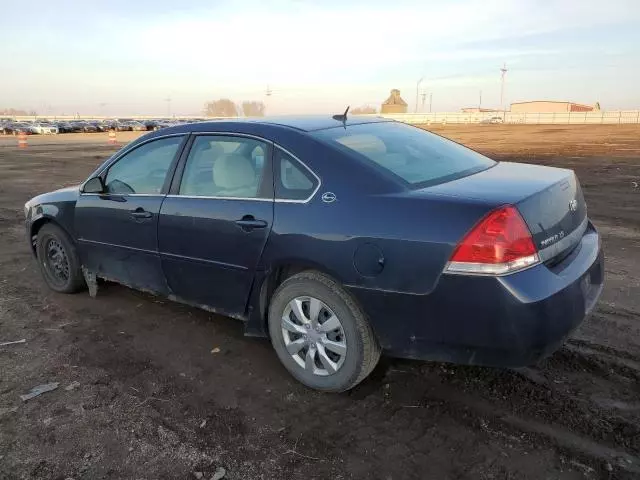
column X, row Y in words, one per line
column 124, row 194
column 564, row 243
column 211, row 197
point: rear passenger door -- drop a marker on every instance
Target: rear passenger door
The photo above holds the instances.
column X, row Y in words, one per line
column 215, row 222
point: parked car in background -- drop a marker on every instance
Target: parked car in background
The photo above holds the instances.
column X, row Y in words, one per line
column 338, row 239
column 106, row 124
column 64, row 127
column 42, row 128
column 493, row 120
column 138, row 126
column 110, row 124
column 84, row 126
column 77, row 126
column 5, row 127
column 100, row 126
column 152, row 125
column 16, row 128
column 167, row 123
column 123, row 125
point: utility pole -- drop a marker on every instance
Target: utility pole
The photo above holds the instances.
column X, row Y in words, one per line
column 430, row 101
column 424, row 98
column 418, row 93
column 503, row 73
column 267, row 100
column 168, row 100
column 480, row 101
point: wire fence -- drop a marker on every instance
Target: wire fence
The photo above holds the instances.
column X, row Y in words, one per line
column 569, row 118
column 533, row 118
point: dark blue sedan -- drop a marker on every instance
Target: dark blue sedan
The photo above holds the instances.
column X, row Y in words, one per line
column 337, row 238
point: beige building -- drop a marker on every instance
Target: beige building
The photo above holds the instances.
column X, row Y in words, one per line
column 549, row 106
column 394, row 104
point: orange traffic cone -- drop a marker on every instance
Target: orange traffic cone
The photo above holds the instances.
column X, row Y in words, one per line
column 22, row 140
column 112, row 137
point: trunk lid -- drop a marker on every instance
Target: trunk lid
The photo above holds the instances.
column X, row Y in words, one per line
column 549, row 199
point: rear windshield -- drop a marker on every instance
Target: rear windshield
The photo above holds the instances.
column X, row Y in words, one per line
column 416, row 156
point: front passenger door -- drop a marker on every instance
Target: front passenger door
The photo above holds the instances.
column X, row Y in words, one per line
column 118, row 229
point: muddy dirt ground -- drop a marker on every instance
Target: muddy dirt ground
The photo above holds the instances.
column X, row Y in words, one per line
column 150, row 400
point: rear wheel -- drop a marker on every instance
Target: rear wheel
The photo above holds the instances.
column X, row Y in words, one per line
column 320, row 334
column 58, row 260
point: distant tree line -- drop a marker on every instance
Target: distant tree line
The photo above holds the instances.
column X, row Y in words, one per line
column 363, row 110
column 17, row 113
column 225, row 107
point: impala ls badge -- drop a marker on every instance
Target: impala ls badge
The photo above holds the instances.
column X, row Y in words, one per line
column 573, row 205
column 328, row 197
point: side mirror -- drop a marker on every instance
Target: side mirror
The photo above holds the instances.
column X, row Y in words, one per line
column 94, row 185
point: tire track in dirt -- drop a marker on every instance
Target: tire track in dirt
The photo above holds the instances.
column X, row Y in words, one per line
column 565, row 440
column 528, row 405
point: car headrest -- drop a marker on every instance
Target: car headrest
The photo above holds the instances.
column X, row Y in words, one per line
column 233, row 171
column 206, row 150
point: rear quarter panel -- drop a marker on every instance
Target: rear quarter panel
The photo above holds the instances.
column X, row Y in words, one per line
column 390, row 242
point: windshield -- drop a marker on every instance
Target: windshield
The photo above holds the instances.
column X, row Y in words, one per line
column 418, row 157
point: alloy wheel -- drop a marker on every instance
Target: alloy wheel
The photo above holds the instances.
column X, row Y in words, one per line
column 314, row 336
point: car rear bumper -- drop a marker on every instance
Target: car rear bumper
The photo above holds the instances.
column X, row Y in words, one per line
column 508, row 321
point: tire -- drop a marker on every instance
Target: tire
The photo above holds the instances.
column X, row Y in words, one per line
column 50, row 242
column 361, row 348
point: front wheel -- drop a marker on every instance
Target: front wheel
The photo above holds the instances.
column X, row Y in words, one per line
column 58, row 260
column 320, row 333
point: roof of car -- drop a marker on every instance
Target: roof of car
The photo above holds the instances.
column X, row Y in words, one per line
column 305, row 123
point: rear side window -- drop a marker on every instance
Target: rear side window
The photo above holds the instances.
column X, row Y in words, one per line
column 293, row 180
column 416, row 156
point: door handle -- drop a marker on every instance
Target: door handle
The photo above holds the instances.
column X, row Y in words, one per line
column 140, row 213
column 249, row 222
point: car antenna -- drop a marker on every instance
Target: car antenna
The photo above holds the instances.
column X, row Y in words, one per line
column 342, row 118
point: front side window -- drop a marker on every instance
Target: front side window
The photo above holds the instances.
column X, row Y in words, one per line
column 416, row 156
column 293, row 181
column 143, row 170
column 226, row 166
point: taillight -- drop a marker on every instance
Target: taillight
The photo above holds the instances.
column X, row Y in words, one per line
column 500, row 243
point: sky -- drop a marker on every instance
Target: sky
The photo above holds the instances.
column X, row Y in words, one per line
column 127, row 57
